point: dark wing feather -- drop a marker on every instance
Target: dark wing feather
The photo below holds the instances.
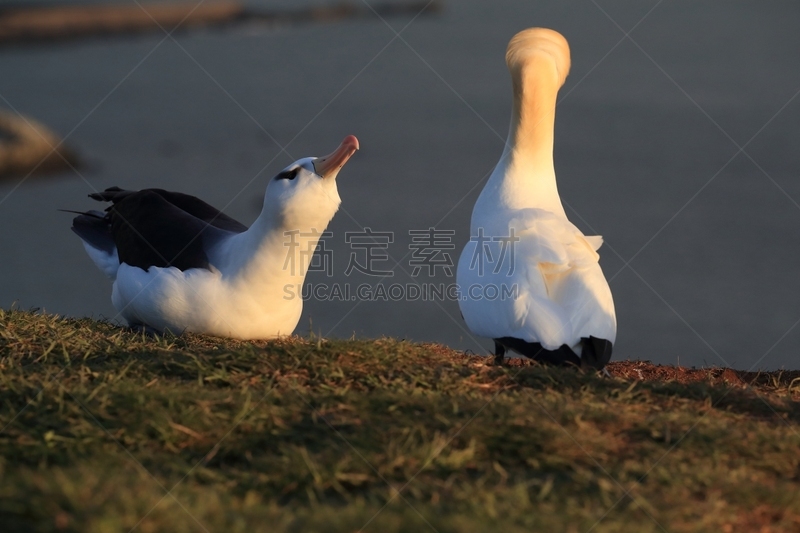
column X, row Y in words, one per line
column 191, row 204
column 154, row 227
column 150, row 231
column 199, row 209
column 112, row 194
column 94, row 227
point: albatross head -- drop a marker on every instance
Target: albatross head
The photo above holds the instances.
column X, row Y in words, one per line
column 534, row 52
column 304, row 196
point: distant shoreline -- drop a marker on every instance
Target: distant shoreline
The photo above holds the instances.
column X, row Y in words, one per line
column 58, row 23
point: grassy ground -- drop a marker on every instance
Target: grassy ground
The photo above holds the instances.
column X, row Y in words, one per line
column 104, row 430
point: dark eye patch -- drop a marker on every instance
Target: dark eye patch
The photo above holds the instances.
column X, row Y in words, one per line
column 287, row 174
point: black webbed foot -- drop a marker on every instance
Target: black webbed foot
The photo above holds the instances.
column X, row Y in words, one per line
column 499, row 353
column 595, row 353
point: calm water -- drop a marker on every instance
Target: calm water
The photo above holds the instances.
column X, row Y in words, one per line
column 701, row 239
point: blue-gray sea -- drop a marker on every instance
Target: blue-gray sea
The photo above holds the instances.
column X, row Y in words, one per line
column 677, row 138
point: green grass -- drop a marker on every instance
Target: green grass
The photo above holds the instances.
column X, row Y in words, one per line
column 105, row 430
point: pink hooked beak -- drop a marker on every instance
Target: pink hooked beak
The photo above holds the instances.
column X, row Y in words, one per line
column 332, row 163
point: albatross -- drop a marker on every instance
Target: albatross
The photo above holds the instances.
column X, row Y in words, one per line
column 178, row 264
column 530, row 279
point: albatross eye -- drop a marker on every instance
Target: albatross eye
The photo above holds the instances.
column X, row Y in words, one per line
column 287, row 174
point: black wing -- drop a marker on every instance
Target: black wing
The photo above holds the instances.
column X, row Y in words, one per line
column 153, row 227
column 191, row 204
column 94, row 227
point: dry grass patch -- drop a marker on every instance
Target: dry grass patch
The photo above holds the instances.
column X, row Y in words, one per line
column 105, row 430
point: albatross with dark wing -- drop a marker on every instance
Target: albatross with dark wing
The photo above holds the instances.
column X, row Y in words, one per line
column 178, row 264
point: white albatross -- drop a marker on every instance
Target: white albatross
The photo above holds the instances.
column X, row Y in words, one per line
column 529, row 279
column 178, row 264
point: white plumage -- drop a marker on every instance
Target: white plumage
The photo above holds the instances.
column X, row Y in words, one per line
column 180, row 265
column 519, row 229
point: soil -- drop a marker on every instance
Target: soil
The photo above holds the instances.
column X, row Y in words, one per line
column 788, row 380
column 646, row 371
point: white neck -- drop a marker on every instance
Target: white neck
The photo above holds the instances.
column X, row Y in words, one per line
column 525, row 177
column 270, row 255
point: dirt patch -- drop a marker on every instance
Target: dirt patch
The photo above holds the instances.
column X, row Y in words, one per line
column 765, row 519
column 786, row 381
column 645, row 371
